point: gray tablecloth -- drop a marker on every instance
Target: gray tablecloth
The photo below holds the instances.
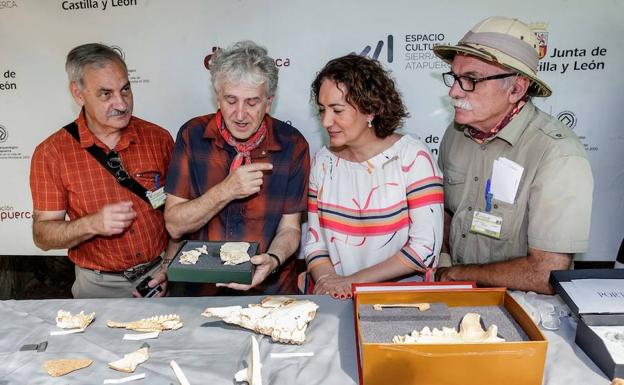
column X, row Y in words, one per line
column 210, row 352
column 566, row 363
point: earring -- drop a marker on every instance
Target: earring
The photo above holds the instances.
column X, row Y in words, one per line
column 370, row 123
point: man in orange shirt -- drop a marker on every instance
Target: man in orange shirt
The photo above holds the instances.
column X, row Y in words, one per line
column 105, row 172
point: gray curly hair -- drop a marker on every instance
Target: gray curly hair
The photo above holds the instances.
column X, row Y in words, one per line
column 244, row 62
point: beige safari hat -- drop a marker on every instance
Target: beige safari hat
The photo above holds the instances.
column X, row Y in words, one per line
column 505, row 41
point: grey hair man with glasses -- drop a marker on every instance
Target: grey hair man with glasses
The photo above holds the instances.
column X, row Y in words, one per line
column 97, row 183
column 517, row 182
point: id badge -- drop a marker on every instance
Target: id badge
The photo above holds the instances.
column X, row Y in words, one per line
column 486, row 224
column 157, row 197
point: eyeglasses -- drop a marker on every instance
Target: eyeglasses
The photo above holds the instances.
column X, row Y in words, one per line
column 467, row 83
column 114, row 162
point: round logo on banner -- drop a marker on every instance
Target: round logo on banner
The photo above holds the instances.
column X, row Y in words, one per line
column 4, row 134
column 118, row 49
column 568, row 118
column 7, row 4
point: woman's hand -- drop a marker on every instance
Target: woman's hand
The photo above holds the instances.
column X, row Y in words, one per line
column 337, row 286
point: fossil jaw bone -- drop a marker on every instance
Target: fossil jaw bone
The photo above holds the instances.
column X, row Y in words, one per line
column 66, row 320
column 470, row 331
column 152, row 324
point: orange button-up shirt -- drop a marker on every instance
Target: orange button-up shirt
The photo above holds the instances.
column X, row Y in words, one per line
column 65, row 177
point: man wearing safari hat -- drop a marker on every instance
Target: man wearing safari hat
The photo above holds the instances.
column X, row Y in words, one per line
column 517, row 182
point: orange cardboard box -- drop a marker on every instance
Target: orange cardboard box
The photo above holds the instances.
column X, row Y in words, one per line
column 507, row 363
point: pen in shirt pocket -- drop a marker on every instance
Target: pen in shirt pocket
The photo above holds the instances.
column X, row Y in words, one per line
column 488, row 196
column 155, row 175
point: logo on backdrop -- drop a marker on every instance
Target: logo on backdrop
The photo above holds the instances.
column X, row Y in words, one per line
column 568, row 118
column 133, row 76
column 539, row 29
column 7, row 4
column 4, row 134
column 419, row 51
column 9, row 151
column 96, row 4
column 280, row 62
column 8, row 213
column 375, row 55
column 567, row 60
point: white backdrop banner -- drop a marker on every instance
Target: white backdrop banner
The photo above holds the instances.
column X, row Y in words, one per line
column 166, row 45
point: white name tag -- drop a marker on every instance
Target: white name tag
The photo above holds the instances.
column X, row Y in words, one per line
column 157, row 198
column 142, row 336
column 486, row 224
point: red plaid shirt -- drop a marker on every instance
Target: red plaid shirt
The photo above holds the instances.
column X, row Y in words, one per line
column 65, row 177
column 202, row 159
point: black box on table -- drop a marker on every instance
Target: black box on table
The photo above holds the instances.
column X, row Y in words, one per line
column 209, row 267
column 586, row 338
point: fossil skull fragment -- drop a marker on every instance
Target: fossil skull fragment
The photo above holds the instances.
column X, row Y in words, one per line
column 470, row 331
column 190, row 257
column 251, row 374
column 153, row 324
column 234, row 253
column 285, row 319
column 130, row 361
column 66, row 320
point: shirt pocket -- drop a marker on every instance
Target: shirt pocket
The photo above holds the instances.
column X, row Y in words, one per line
column 507, row 211
column 454, row 184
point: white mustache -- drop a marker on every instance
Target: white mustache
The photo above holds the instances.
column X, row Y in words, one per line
column 116, row 112
column 461, row 103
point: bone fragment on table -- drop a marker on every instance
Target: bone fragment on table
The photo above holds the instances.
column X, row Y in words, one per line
column 285, row 319
column 191, row 257
column 66, row 320
column 153, row 324
column 61, row 367
column 234, row 253
column 421, row 306
column 130, row 361
column 470, row 331
column 251, row 374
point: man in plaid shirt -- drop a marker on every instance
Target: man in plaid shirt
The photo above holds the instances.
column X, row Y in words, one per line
column 114, row 235
column 240, row 174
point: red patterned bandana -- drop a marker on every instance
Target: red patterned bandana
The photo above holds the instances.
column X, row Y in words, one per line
column 243, row 149
column 480, row 136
